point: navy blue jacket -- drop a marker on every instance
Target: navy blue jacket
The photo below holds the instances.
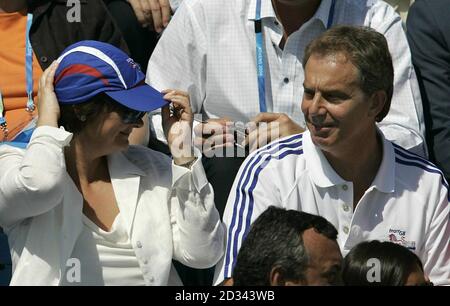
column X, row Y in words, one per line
column 428, row 32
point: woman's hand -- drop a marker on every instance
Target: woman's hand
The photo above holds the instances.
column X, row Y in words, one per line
column 48, row 107
column 177, row 120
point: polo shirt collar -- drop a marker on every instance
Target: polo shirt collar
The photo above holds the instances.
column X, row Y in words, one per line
column 267, row 11
column 385, row 179
column 323, row 174
column 320, row 170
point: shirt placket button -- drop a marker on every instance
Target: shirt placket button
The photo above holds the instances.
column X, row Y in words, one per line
column 345, row 229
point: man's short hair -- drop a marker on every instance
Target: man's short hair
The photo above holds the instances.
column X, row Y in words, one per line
column 367, row 50
column 275, row 240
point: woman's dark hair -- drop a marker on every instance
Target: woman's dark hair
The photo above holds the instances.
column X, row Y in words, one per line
column 396, row 263
column 74, row 118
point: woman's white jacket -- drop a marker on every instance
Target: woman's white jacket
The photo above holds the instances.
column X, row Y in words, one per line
column 169, row 210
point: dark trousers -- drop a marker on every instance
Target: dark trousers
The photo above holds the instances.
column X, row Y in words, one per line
column 5, row 260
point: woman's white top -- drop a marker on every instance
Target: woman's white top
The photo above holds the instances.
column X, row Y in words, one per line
column 106, row 258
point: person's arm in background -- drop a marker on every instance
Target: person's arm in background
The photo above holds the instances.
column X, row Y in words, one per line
column 429, row 38
column 404, row 124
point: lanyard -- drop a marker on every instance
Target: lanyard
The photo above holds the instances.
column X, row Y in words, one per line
column 260, row 53
column 29, row 76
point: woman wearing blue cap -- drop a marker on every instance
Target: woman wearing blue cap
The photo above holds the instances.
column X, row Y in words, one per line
column 82, row 207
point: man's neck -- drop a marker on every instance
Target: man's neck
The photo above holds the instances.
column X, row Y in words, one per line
column 359, row 163
column 294, row 15
column 10, row 6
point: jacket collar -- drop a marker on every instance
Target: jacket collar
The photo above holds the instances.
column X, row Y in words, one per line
column 125, row 178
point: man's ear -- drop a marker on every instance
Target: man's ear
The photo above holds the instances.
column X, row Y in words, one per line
column 277, row 278
column 377, row 102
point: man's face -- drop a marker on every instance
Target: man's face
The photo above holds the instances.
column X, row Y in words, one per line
column 337, row 112
column 325, row 260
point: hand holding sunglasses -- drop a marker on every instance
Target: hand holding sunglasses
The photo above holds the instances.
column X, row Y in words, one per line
column 177, row 120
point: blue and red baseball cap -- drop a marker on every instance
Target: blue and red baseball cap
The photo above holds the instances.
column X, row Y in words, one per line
column 90, row 67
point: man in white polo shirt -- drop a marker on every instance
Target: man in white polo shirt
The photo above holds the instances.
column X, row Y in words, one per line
column 343, row 168
column 209, row 50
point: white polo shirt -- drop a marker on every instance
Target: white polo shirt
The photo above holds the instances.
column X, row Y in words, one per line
column 407, row 203
column 209, row 50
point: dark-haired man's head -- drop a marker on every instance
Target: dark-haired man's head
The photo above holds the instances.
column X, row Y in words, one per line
column 348, row 87
column 288, row 247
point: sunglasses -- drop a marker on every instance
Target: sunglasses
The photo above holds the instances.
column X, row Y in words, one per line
column 130, row 116
column 127, row 115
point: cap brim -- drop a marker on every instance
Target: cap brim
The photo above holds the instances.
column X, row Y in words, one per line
column 143, row 98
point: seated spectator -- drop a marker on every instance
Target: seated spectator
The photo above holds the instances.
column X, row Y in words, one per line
column 429, row 38
column 375, row 263
column 343, row 168
column 80, row 195
column 47, row 35
column 210, row 47
column 288, row 247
